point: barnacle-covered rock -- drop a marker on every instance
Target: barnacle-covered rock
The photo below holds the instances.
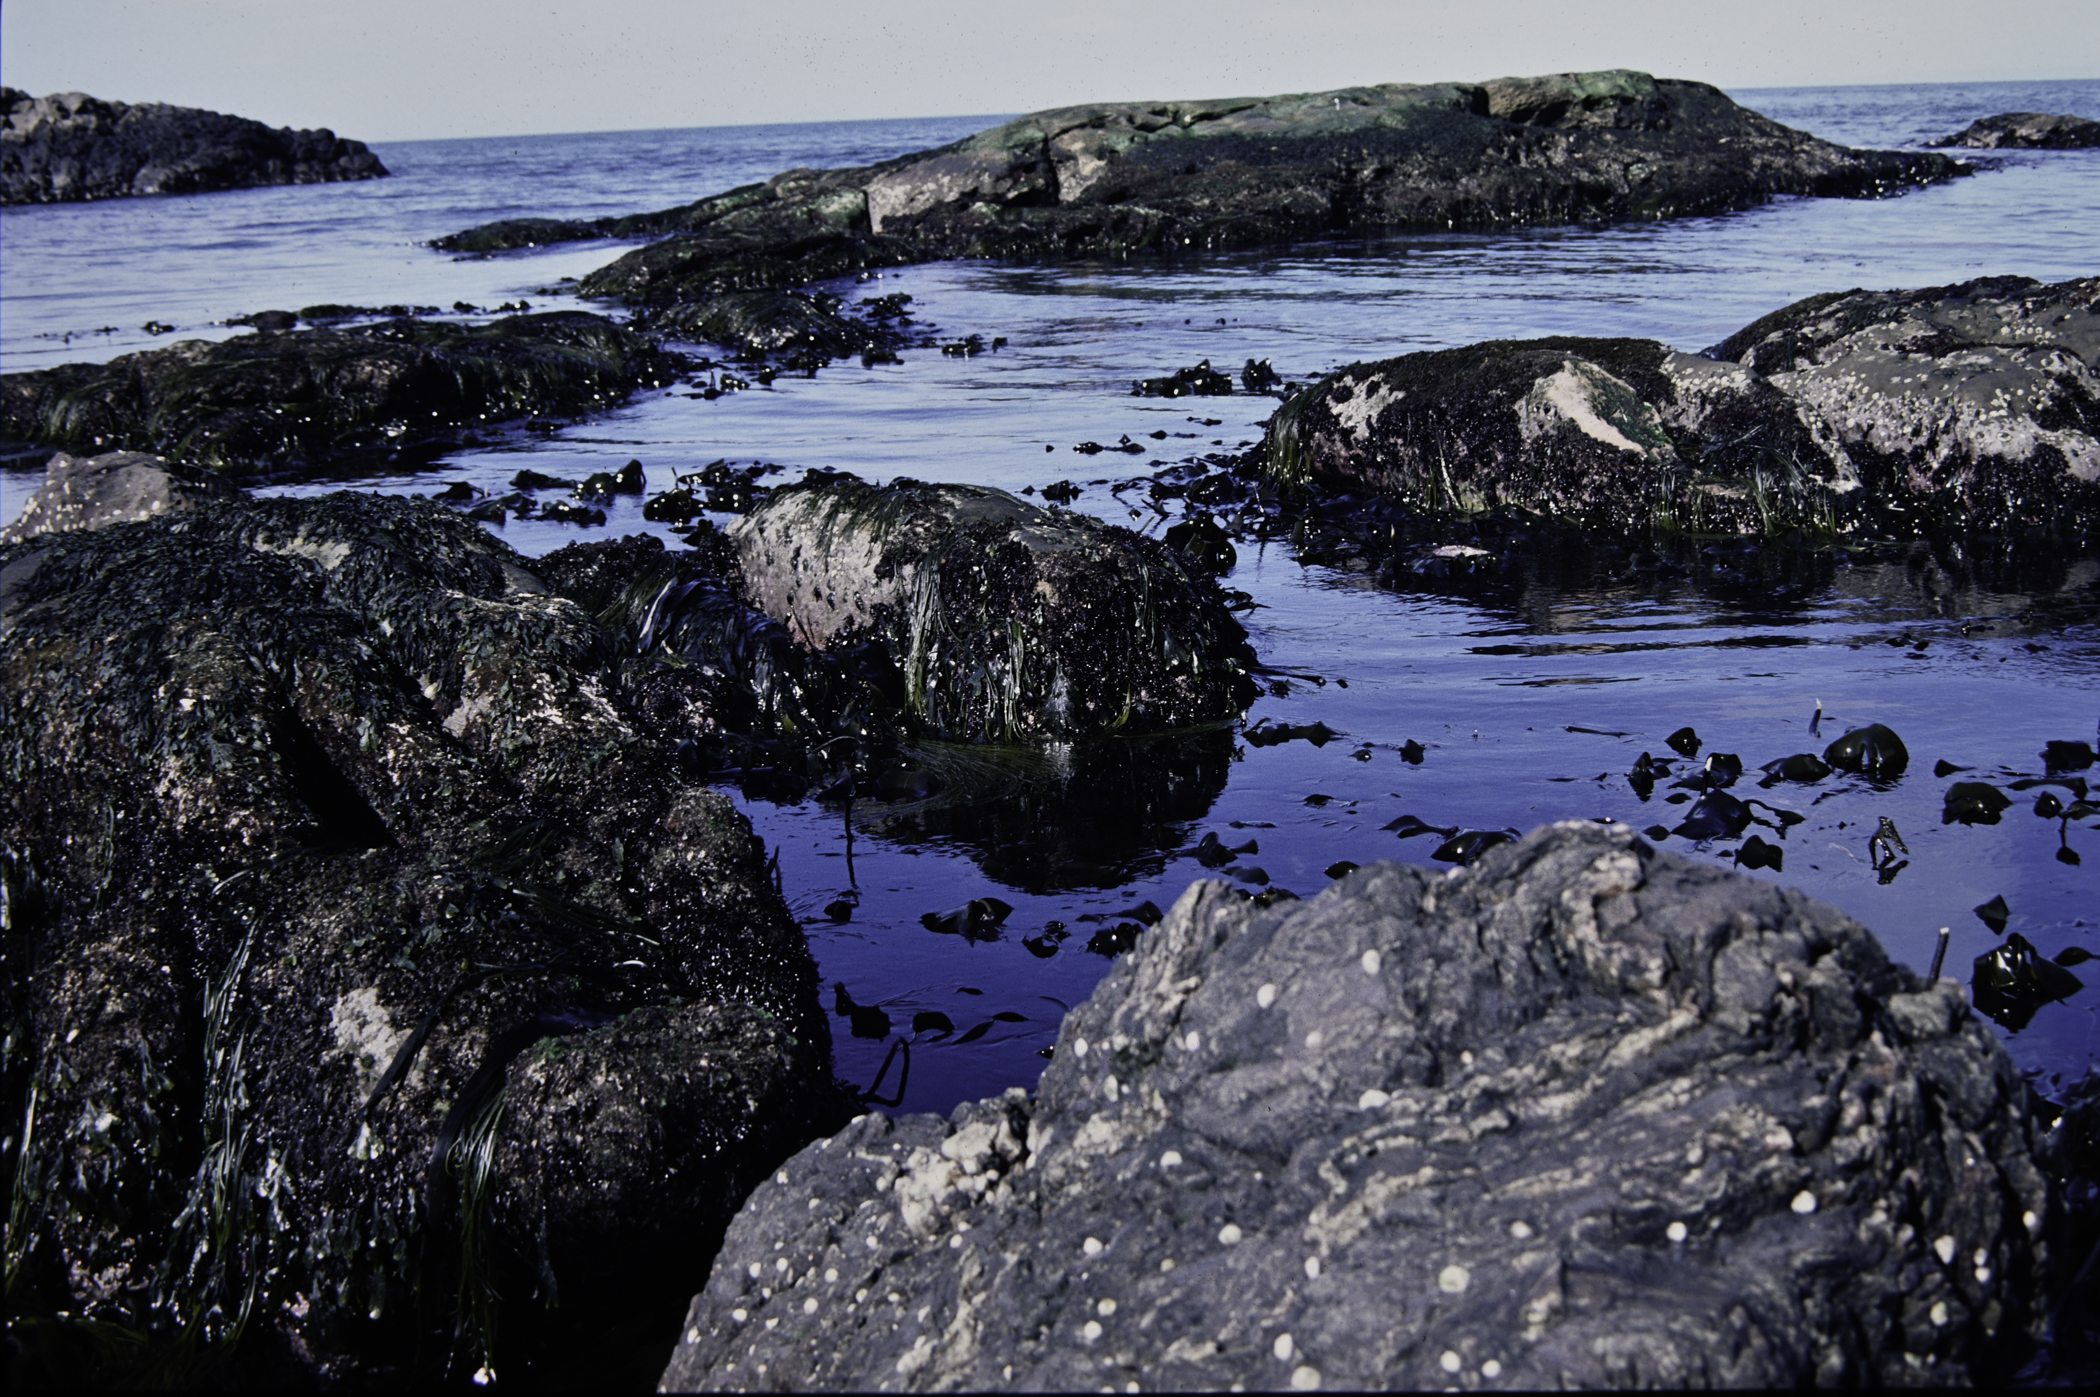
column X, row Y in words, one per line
column 1009, row 623
column 367, row 969
column 117, row 487
column 1583, row 1115
column 1958, row 407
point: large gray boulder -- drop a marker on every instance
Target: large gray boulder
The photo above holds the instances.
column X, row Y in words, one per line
column 70, row 146
column 380, row 1001
column 117, row 487
column 1969, row 407
column 1112, row 178
column 1584, row 1115
column 1010, row 623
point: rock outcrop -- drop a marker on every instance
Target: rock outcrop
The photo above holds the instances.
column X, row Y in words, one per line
column 1973, row 407
column 276, row 403
column 117, row 487
column 381, row 1003
column 1009, row 623
column 1110, row 179
column 2026, row 131
column 1585, row 1115
column 70, row 146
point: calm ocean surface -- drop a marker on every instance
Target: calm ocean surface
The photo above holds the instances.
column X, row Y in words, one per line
column 1491, row 688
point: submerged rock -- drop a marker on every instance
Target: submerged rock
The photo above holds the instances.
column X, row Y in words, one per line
column 1587, row 1115
column 1963, row 407
column 2026, row 131
column 769, row 322
column 1118, row 177
column 381, row 1002
column 1009, row 623
column 117, row 487
column 70, row 146
column 273, row 404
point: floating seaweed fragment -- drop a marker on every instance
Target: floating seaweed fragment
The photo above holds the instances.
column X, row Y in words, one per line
column 1266, row 734
column 1044, row 944
column 979, row 919
column 1341, row 869
column 1114, row 940
column 1212, row 852
column 931, row 1021
column 1197, row 381
column 1646, row 772
column 2073, row 955
column 1995, row 914
column 1974, row 803
column 1684, row 742
column 1718, row 815
column 1260, row 377
column 868, row 1020
column 1756, row 853
column 1722, row 769
column 2013, row 981
column 1873, row 750
column 1886, row 844
column 840, row 909
column 2067, row 756
column 1944, row 768
column 1411, row 751
column 1804, row 767
column 1408, row 826
column 1205, row 543
column 1061, row 492
column 1657, row 832
column 1467, row 846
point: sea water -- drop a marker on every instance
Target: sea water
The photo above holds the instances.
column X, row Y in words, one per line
column 1531, row 699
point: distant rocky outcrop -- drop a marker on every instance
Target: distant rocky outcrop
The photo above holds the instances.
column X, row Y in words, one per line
column 382, row 1002
column 1111, row 179
column 1585, row 1115
column 70, row 146
column 1964, row 408
column 2026, row 131
column 281, row 402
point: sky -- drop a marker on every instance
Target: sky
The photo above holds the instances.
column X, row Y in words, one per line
column 392, row 70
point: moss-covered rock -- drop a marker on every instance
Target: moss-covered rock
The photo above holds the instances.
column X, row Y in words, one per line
column 1970, row 407
column 278, row 403
column 1122, row 177
column 369, row 974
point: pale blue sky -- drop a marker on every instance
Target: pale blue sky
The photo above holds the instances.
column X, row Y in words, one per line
column 404, row 69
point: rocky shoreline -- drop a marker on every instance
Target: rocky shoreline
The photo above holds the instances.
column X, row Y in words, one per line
column 70, row 147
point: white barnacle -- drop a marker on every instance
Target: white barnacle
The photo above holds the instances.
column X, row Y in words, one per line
column 1265, row 996
column 1677, row 1231
column 1305, row 1378
column 1312, row 1268
column 1939, row 1314
column 1091, row 1331
column 809, row 1306
column 1804, row 1202
column 1372, row 1099
column 1091, row 1246
column 1491, row 1369
column 1945, row 1247
column 1170, row 1159
column 1193, row 1041
column 1282, row 1348
column 1520, row 1230
column 1453, row 1279
column 1314, row 1039
column 1450, row 1362
column 831, row 1274
column 740, row 1315
column 1230, row 1234
column 1370, row 961
column 1105, row 1308
column 1079, row 1047
column 755, row 1270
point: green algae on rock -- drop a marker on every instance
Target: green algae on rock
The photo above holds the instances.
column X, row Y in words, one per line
column 277, row 403
column 1113, row 178
column 1010, row 623
column 363, row 960
column 1969, row 407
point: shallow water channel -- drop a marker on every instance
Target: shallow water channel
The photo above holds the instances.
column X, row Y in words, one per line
column 1532, row 687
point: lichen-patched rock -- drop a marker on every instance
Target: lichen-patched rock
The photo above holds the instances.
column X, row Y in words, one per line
column 1009, row 622
column 1959, row 407
column 1585, row 1115
column 117, row 487
column 363, row 964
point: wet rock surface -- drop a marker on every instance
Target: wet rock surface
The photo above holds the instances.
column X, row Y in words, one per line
column 279, row 403
column 70, row 146
column 1584, row 1115
column 2026, row 131
column 1116, row 178
column 381, row 1002
column 117, row 487
column 1973, row 407
column 1007, row 622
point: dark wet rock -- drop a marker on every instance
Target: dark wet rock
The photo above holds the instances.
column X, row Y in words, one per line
column 70, row 146
column 1009, row 623
column 1122, row 177
column 1586, row 1115
column 772, row 322
column 117, row 487
column 364, row 956
column 2026, row 131
column 1961, row 407
column 275, row 404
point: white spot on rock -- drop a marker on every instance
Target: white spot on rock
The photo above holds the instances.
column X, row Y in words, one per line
column 809, row 1306
column 1193, row 1041
column 1676, row 1232
column 1450, row 1362
column 1312, row 1268
column 1091, row 1246
column 1170, row 1159
column 1079, row 1047
column 1230, row 1234
column 1265, row 996
column 1105, row 1308
column 1491, row 1369
column 1804, row 1202
column 1305, row 1378
column 1453, row 1279
column 1314, row 1039
column 1945, row 1247
column 1282, row 1348
column 1520, row 1230
column 1939, row 1314
column 1092, row 1331
column 1370, row 962
column 1372, row 1099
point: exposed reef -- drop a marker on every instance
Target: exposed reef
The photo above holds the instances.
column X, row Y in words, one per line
column 382, row 1001
column 1111, row 179
column 277, row 403
column 70, row 146
column 1970, row 408
column 2025, row 131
